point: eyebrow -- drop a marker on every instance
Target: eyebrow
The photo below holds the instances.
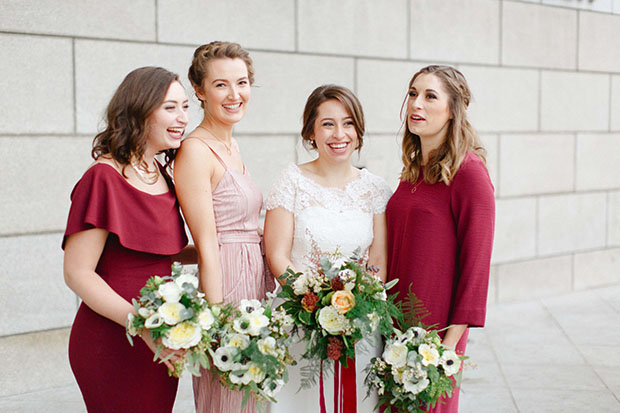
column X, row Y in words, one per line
column 226, row 80
column 174, row 101
column 427, row 90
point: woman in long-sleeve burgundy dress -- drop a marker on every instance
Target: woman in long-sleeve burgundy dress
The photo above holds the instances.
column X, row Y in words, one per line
column 441, row 217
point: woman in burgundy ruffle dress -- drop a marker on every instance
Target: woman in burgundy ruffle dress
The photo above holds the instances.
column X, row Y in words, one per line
column 441, row 217
column 124, row 226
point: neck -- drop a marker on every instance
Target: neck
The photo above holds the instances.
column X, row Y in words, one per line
column 221, row 131
column 429, row 144
column 148, row 157
column 332, row 172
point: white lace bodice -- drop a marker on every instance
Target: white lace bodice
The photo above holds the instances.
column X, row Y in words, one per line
column 333, row 218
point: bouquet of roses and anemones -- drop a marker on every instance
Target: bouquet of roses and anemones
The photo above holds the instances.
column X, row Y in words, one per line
column 177, row 316
column 415, row 369
column 251, row 351
column 335, row 303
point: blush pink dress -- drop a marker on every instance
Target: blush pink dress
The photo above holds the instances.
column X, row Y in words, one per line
column 236, row 204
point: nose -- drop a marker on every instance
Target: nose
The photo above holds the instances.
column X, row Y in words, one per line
column 339, row 132
column 414, row 102
column 183, row 116
column 233, row 92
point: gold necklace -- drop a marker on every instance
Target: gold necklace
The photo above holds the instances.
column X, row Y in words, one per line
column 217, row 138
column 142, row 170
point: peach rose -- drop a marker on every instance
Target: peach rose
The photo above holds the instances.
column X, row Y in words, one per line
column 343, row 301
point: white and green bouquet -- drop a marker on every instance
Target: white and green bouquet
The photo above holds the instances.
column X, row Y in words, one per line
column 414, row 371
column 177, row 317
column 251, row 351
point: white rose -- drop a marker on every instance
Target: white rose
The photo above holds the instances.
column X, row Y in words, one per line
column 267, row 346
column 300, row 285
column 154, row 321
column 239, row 341
column 429, row 354
column 186, row 278
column 332, row 321
column 183, row 335
column 223, row 358
column 395, row 354
column 206, row 319
column 171, row 312
column 258, row 321
column 170, row 292
column 256, row 373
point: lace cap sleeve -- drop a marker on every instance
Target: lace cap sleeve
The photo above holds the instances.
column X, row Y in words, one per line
column 381, row 193
column 283, row 191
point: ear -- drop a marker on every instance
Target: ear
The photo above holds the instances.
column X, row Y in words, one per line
column 200, row 93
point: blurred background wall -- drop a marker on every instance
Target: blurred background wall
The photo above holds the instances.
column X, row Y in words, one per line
column 545, row 77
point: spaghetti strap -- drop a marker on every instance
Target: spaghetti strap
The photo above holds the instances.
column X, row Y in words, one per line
column 211, row 149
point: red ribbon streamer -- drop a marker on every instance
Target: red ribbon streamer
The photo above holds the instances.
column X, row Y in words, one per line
column 344, row 388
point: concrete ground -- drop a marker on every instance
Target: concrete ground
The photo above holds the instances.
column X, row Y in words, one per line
column 559, row 354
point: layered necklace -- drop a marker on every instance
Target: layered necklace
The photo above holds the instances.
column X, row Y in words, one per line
column 144, row 173
column 228, row 146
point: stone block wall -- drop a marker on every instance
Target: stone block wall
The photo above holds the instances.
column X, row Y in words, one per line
column 545, row 77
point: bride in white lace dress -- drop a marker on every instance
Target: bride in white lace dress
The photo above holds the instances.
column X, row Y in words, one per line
column 329, row 203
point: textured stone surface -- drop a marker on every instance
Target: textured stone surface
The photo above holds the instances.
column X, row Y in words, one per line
column 381, row 155
column 42, row 100
column 491, row 144
column 597, row 5
column 353, row 27
column 564, row 110
column 503, row 99
column 613, row 219
column 521, row 44
column 536, row 164
column 527, row 280
column 114, row 19
column 571, row 222
column 464, row 31
column 515, row 229
column 598, row 268
column 32, row 288
column 598, row 161
column 597, row 50
column 197, row 22
column 38, row 200
column 615, row 103
column 284, row 82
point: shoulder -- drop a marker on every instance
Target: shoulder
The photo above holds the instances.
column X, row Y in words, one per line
column 375, row 181
column 472, row 171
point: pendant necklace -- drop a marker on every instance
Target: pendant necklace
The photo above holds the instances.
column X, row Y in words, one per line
column 227, row 146
column 146, row 176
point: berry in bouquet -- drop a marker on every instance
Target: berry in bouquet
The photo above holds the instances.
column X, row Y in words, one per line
column 251, row 352
column 177, row 317
column 415, row 369
column 335, row 303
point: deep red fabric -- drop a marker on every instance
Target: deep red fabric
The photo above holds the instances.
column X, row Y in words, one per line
column 144, row 231
column 440, row 239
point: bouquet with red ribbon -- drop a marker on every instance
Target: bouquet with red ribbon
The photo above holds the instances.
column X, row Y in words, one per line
column 335, row 303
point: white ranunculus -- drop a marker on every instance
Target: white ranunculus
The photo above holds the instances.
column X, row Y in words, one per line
column 170, row 292
column 272, row 387
column 267, row 346
column 250, row 306
column 183, row 335
column 258, row 321
column 415, row 384
column 429, row 354
column 154, row 321
column 145, row 312
column 241, row 341
column 256, row 373
column 224, row 358
column 205, row 319
column 300, row 285
column 395, row 354
column 186, row 278
column 450, row 362
column 171, row 312
column 332, row 321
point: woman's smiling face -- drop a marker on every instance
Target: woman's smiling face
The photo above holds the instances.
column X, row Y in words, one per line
column 334, row 134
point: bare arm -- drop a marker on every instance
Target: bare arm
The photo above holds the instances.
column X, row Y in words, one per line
column 278, row 236
column 193, row 171
column 377, row 253
column 188, row 255
column 453, row 335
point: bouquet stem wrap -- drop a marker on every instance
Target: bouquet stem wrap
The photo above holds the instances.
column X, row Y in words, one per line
column 344, row 388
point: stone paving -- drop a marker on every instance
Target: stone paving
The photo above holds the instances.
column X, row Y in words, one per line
column 559, row 354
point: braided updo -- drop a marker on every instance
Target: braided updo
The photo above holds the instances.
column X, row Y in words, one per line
column 217, row 50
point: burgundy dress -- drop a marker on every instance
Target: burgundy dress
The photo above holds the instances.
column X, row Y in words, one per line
column 440, row 239
column 144, row 231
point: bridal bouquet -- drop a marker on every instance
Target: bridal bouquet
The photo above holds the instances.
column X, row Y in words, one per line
column 414, row 371
column 251, row 352
column 177, row 317
column 334, row 304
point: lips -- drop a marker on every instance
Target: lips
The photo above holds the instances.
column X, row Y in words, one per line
column 232, row 106
column 176, row 132
column 417, row 118
column 338, row 146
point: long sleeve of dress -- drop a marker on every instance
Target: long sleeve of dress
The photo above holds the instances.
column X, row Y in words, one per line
column 473, row 207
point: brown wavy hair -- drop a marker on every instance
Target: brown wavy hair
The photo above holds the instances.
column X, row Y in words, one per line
column 444, row 162
column 342, row 95
column 127, row 115
column 217, row 50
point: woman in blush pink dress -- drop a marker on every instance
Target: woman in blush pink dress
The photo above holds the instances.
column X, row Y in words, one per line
column 219, row 200
column 441, row 217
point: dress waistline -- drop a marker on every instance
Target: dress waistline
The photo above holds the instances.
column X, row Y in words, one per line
column 241, row 237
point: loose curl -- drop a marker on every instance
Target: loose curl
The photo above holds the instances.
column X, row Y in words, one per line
column 332, row 92
column 127, row 117
column 444, row 162
column 216, row 50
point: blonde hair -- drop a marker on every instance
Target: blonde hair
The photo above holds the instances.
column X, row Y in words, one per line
column 444, row 162
column 217, row 50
